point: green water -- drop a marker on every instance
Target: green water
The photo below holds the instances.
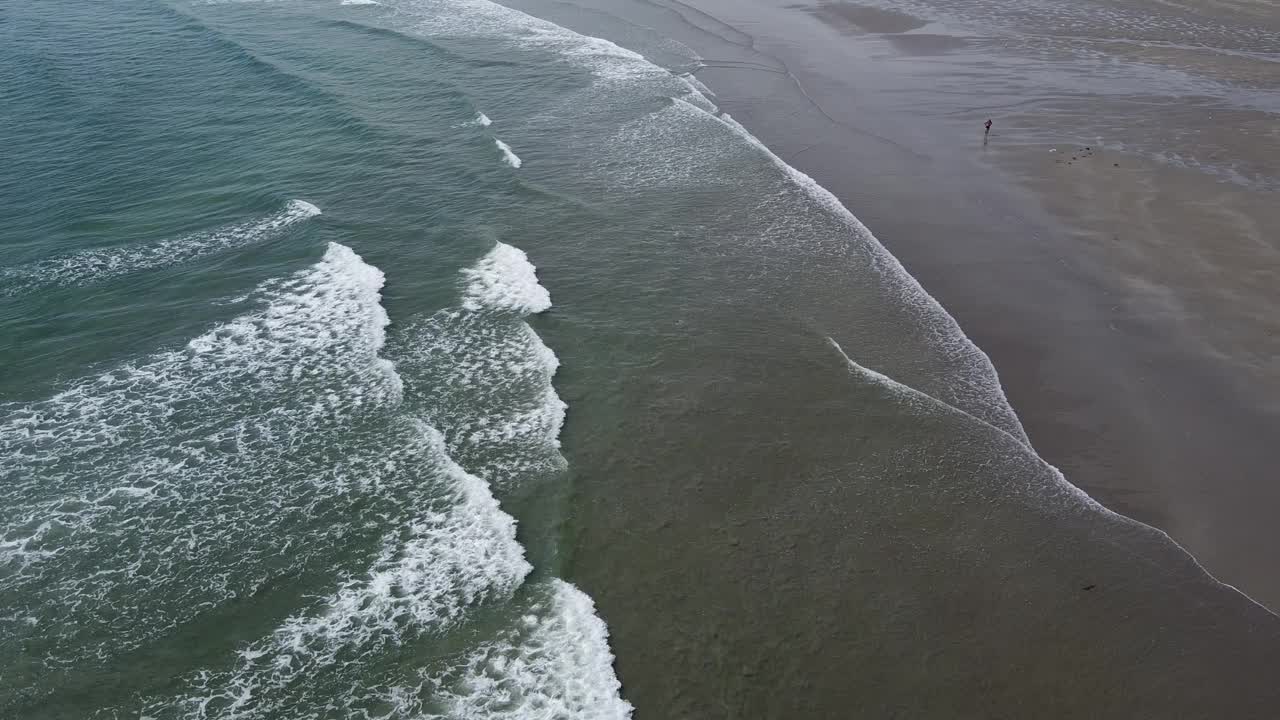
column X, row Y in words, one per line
column 259, row 461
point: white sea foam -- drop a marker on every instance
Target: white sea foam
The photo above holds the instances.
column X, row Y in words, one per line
column 614, row 70
column 1010, row 449
column 361, row 2
column 697, row 85
column 485, row 19
column 480, row 120
column 697, row 94
column 976, row 387
column 96, row 265
column 555, row 663
column 214, row 461
column 486, row 380
column 435, row 568
column 429, row 572
column 197, row 460
column 638, row 154
column 508, row 156
column 483, row 376
column 504, row 279
column 551, row 662
column 913, row 397
column 458, row 552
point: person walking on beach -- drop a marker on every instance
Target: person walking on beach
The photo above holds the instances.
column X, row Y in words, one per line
column 988, row 127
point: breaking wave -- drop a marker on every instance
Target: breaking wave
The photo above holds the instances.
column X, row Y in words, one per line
column 91, row 266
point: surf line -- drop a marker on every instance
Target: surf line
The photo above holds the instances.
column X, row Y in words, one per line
column 508, row 156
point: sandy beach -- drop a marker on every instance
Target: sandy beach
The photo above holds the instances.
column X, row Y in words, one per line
column 1178, row 430
column 1112, row 246
column 1123, row 287
column 640, row 360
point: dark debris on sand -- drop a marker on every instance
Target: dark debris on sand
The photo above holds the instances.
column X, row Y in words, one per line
column 1079, row 154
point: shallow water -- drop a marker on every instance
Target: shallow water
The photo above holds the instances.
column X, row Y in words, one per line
column 284, row 398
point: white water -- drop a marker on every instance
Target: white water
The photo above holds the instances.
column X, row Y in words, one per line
column 504, row 279
column 92, row 266
column 976, row 387
column 1057, row 483
column 974, row 384
column 698, row 85
column 434, row 569
column 508, row 156
column 697, row 94
column 555, row 663
column 201, row 461
column 486, row 376
column 451, row 548
column 484, row 19
column 492, row 389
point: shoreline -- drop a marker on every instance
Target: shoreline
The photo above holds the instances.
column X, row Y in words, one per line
column 643, row 422
column 861, row 546
column 1140, row 402
column 1197, row 424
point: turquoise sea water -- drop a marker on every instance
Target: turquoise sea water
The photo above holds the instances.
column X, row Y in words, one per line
column 283, row 391
column 221, row 497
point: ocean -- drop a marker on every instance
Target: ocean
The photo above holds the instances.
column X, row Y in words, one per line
column 354, row 351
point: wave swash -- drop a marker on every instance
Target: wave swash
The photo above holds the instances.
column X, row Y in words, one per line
column 288, row 423
column 92, row 266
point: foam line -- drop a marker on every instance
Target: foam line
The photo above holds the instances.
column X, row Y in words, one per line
column 199, row 459
column 978, row 387
column 912, row 396
column 92, row 266
column 504, row 279
column 555, row 663
column 459, row 551
column 508, row 156
column 480, row 373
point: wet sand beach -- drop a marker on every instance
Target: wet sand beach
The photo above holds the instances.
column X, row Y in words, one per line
column 1194, row 413
column 1127, row 299
column 428, row 359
